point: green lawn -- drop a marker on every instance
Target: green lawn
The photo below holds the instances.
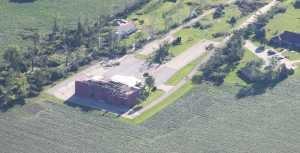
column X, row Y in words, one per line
column 153, row 96
column 141, row 56
column 178, row 76
column 292, row 55
column 158, row 16
column 297, row 71
column 190, row 36
column 232, row 77
column 157, row 108
column 289, row 21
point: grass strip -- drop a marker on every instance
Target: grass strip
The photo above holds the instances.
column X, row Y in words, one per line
column 166, row 102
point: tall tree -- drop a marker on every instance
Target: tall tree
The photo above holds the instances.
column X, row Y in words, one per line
column 14, row 58
column 232, row 21
column 35, row 50
column 161, row 54
column 55, row 28
column 149, row 82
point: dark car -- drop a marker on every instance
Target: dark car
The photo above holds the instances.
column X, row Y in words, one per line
column 260, row 49
column 271, row 52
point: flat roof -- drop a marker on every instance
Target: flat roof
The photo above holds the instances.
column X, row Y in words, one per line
column 127, row 80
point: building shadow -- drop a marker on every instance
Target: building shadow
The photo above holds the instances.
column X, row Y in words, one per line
column 86, row 104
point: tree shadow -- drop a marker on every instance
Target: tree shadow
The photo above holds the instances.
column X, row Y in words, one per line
column 5, row 107
column 256, row 89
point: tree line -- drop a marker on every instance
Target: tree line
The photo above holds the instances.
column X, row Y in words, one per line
column 24, row 71
column 223, row 61
column 226, row 59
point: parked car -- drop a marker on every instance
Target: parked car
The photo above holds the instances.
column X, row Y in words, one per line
column 271, row 53
column 279, row 58
column 260, row 49
column 210, row 47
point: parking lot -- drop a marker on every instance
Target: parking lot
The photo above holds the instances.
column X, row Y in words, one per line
column 131, row 66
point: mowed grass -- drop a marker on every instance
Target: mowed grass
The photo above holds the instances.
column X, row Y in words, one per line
column 159, row 15
column 191, row 36
column 15, row 17
column 181, row 74
column 184, row 72
column 232, row 78
column 152, row 97
column 292, row 55
column 163, row 104
column 289, row 21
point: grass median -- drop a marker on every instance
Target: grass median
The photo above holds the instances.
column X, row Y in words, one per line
column 163, row 104
column 178, row 76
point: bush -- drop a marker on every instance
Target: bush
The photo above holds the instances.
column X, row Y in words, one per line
column 219, row 12
column 220, row 34
column 56, row 74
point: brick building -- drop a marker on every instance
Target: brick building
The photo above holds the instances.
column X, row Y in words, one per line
column 108, row 91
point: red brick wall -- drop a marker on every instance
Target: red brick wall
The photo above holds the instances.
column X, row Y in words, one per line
column 89, row 90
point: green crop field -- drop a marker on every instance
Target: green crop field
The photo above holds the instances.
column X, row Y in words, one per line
column 208, row 119
column 14, row 17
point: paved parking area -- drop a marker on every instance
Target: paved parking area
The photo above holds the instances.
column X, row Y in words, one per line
column 66, row 89
column 130, row 66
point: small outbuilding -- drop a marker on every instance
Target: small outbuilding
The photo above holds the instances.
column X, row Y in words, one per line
column 125, row 28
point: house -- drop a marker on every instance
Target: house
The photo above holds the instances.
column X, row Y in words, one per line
column 125, row 28
column 297, row 4
column 290, row 40
column 119, row 90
